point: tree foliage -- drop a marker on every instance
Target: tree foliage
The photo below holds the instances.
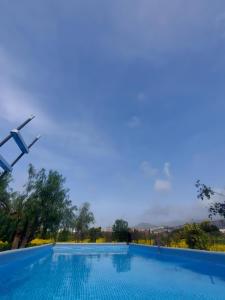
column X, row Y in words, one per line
column 210, row 228
column 195, row 237
column 206, row 192
column 94, row 233
column 42, row 208
column 83, row 221
column 121, row 231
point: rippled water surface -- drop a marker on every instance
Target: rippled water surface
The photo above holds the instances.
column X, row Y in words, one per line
column 110, row 272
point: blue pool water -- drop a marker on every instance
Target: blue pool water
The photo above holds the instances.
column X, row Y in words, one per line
column 111, row 272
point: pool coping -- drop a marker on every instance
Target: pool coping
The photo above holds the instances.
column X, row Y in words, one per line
column 24, row 249
column 180, row 249
column 103, row 244
column 112, row 244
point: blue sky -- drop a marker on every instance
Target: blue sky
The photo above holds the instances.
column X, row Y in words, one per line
column 129, row 98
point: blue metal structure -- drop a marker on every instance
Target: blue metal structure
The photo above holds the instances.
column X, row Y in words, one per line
column 16, row 135
column 4, row 164
column 19, row 140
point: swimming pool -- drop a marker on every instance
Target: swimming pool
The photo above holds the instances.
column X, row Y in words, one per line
column 111, row 272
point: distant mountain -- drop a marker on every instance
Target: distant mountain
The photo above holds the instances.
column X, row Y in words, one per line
column 220, row 223
column 177, row 223
column 145, row 226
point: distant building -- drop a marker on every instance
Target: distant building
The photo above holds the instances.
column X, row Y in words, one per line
column 107, row 229
column 140, row 229
column 162, row 229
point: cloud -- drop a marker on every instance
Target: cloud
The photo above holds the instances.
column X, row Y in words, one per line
column 162, row 185
column 147, row 169
column 17, row 103
column 175, row 213
column 166, row 169
column 134, row 122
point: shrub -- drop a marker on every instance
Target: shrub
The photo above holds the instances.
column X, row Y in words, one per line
column 195, row 237
column 121, row 231
column 65, row 236
column 38, row 242
column 179, row 244
column 209, row 228
column 217, row 247
column 94, row 233
column 101, row 240
column 4, row 246
column 145, row 242
column 85, row 241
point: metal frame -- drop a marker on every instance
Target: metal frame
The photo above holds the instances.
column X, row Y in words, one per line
column 16, row 135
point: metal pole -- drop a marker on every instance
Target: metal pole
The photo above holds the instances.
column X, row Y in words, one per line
column 7, row 170
column 21, row 154
column 25, row 122
column 34, row 141
column 18, row 128
column 5, row 140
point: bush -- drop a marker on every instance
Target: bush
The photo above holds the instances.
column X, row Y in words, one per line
column 217, row 247
column 65, row 236
column 121, row 231
column 38, row 242
column 145, row 242
column 209, row 228
column 4, row 246
column 101, row 240
column 94, row 233
column 195, row 237
column 85, row 241
column 179, row 244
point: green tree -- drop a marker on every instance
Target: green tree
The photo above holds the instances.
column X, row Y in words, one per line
column 120, row 231
column 83, row 220
column 209, row 228
column 94, row 233
column 195, row 237
column 5, row 192
column 41, row 209
column 206, row 192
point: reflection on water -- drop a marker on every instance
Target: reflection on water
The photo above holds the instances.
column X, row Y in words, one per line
column 68, row 274
column 182, row 263
column 15, row 275
column 71, row 272
column 121, row 263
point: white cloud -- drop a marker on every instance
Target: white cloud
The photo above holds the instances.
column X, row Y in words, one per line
column 134, row 122
column 175, row 213
column 17, row 103
column 166, row 169
column 147, row 169
column 162, row 185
